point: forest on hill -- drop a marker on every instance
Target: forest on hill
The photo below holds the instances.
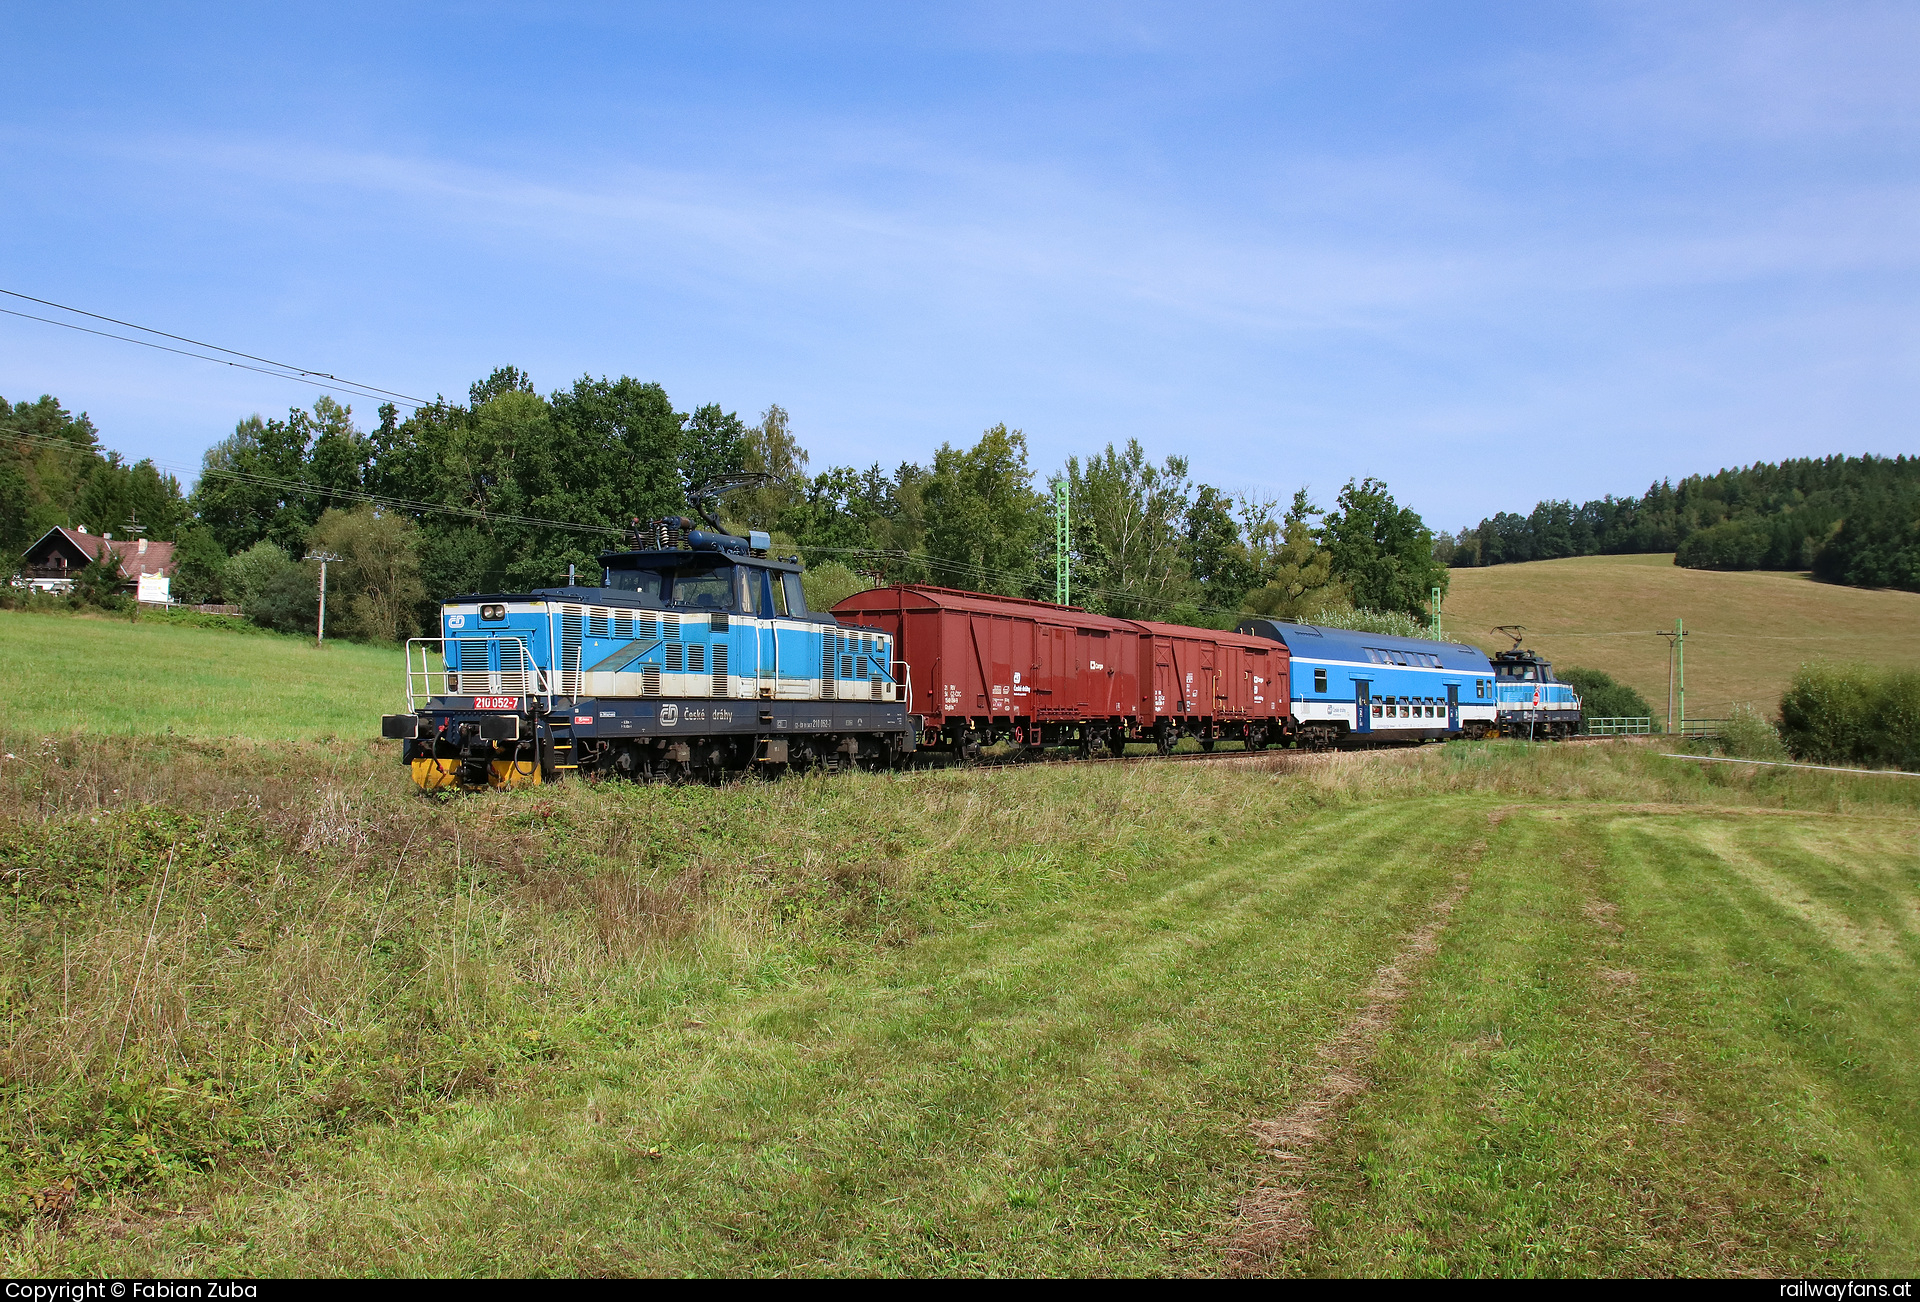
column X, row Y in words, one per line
column 508, row 490
column 1852, row 520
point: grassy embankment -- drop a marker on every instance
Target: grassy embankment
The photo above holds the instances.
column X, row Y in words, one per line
column 1746, row 632
column 271, row 1012
column 102, row 674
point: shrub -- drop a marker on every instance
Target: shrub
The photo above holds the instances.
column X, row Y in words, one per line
column 199, row 567
column 248, row 575
column 1603, row 698
column 1749, row 735
column 100, row 582
column 1853, row 714
column 290, row 601
column 1393, row 623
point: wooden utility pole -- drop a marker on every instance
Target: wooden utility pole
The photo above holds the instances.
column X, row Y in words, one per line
column 323, row 557
column 1676, row 666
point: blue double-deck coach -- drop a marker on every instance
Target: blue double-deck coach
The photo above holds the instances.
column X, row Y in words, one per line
column 695, row 654
column 1353, row 688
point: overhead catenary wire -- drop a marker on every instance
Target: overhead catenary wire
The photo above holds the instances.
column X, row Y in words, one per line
column 280, row 370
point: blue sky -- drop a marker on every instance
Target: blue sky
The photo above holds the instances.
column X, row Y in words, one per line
column 1489, row 253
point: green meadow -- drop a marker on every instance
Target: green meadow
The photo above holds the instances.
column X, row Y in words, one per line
column 107, row 674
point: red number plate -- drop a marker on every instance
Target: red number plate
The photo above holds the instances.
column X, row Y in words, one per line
column 496, row 702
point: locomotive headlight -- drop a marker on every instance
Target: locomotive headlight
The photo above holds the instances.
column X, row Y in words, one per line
column 453, row 682
column 493, row 612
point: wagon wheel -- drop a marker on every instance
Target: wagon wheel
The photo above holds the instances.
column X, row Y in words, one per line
column 1163, row 740
column 1206, row 740
column 1117, row 743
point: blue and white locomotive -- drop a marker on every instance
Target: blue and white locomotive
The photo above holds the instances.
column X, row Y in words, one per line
column 1533, row 703
column 1350, row 688
column 695, row 655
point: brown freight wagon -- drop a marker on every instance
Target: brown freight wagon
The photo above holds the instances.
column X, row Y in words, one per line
column 1201, row 683
column 985, row 669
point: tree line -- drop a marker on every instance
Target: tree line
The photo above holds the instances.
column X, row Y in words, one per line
column 509, row 489
column 1853, row 520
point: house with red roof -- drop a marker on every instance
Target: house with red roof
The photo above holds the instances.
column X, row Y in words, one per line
column 52, row 564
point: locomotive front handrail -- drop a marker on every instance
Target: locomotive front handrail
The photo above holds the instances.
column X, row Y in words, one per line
column 425, row 682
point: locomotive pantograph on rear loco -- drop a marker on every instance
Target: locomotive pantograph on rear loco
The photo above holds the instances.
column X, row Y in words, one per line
column 695, row 655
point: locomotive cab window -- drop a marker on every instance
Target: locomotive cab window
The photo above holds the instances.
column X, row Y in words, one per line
column 1319, row 680
column 704, row 586
column 645, row 583
column 796, row 596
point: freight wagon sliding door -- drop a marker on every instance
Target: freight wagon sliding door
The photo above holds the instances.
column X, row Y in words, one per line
column 993, row 662
column 1094, row 678
column 1054, row 680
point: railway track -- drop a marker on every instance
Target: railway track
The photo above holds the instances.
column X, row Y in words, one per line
column 1277, row 753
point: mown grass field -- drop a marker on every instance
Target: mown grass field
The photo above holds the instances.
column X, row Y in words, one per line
column 101, row 674
column 269, row 1011
column 1746, row 632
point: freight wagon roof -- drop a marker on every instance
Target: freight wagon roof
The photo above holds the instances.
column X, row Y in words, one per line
column 1246, row 640
column 921, row 597
column 1317, row 642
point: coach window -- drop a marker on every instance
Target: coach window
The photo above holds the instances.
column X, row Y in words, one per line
column 1319, row 680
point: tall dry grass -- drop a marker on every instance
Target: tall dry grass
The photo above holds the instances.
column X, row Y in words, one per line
column 220, row 952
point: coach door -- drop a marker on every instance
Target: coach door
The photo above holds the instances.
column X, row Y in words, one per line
column 1453, row 707
column 1363, row 705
